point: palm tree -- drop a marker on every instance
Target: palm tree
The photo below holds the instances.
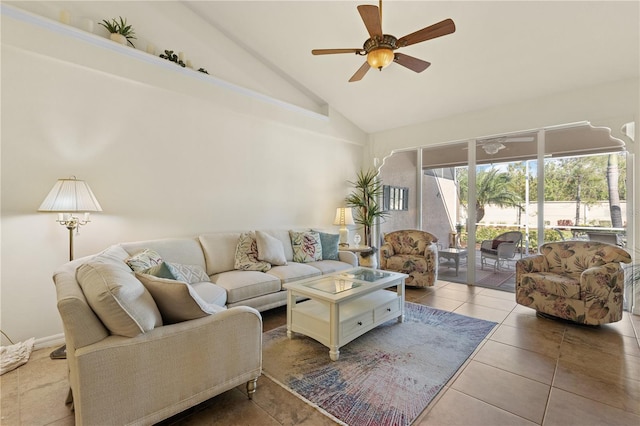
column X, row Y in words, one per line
column 366, row 200
column 494, row 188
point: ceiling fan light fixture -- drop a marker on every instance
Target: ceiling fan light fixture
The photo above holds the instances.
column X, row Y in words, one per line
column 492, row 148
column 380, row 58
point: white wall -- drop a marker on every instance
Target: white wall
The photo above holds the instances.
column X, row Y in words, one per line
column 166, row 155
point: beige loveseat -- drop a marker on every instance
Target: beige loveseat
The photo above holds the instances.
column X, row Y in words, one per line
column 141, row 347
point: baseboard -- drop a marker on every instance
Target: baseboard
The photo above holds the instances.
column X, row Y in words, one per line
column 49, row 341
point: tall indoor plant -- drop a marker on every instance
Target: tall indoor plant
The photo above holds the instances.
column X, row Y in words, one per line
column 366, row 202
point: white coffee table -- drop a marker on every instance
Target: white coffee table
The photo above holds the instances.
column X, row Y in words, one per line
column 344, row 305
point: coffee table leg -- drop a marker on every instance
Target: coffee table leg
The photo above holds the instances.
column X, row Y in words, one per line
column 400, row 290
column 457, row 258
column 291, row 303
column 334, row 323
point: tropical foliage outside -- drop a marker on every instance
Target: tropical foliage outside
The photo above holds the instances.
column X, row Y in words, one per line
column 584, row 180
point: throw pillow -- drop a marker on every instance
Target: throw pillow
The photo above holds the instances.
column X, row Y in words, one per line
column 306, row 246
column 143, row 260
column 247, row 254
column 161, row 270
column 176, row 300
column 495, row 244
column 187, row 273
column 270, row 249
column 121, row 302
column 329, row 244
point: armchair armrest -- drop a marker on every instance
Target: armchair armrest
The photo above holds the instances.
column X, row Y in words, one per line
column 172, row 367
column 535, row 263
column 506, row 249
column 486, row 244
column 602, row 291
column 386, row 251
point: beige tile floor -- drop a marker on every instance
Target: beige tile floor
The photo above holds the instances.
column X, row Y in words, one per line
column 529, row 371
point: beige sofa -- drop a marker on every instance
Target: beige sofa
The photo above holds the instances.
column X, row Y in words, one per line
column 140, row 367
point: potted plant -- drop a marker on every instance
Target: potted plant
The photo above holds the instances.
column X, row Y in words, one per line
column 365, row 201
column 121, row 32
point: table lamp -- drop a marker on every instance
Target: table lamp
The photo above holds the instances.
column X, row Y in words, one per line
column 344, row 218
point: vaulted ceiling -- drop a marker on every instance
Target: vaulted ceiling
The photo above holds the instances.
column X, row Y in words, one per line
column 502, row 52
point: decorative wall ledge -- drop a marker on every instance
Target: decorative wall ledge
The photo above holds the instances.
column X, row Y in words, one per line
column 67, row 43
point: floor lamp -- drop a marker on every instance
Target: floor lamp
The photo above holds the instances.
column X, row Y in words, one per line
column 70, row 198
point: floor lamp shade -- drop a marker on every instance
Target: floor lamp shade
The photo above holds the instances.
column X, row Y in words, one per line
column 70, row 196
column 343, row 218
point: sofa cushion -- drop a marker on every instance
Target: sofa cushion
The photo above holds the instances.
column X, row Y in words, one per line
column 219, row 251
column 306, row 246
column 176, row 300
column 241, row 285
column 211, row 293
column 294, row 271
column 161, row 270
column 180, row 250
column 329, row 243
column 143, row 260
column 121, row 302
column 285, row 239
column 187, row 273
column 270, row 249
column 330, row 266
column 551, row 283
column 247, row 254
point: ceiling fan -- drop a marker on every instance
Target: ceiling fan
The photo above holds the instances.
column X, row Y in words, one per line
column 493, row 145
column 379, row 48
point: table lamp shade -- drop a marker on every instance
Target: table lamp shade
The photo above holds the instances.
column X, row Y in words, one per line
column 70, row 195
column 343, row 216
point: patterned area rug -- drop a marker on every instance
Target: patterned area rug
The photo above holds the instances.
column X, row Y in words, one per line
column 385, row 377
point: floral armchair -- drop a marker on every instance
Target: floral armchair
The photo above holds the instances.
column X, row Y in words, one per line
column 580, row 281
column 411, row 252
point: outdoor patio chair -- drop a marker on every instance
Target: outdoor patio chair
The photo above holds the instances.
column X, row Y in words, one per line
column 579, row 281
column 499, row 250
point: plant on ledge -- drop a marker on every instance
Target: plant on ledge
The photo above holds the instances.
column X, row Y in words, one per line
column 121, row 28
column 364, row 199
column 170, row 56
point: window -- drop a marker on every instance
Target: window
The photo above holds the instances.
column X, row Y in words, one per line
column 395, row 198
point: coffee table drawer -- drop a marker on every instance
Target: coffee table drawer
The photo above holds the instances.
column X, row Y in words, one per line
column 389, row 309
column 355, row 325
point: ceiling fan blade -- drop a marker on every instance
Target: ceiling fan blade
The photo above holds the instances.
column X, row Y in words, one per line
column 360, row 73
column 371, row 18
column 436, row 30
column 414, row 64
column 520, row 139
column 332, row 51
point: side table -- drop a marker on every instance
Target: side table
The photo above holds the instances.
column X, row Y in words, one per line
column 455, row 254
column 368, row 261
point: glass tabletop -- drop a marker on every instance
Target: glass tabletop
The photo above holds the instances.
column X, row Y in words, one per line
column 333, row 285
column 368, row 275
